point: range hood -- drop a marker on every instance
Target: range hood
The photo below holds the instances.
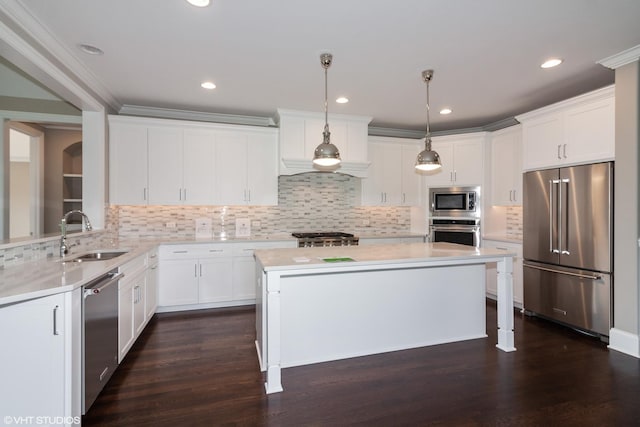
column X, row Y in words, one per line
column 301, row 132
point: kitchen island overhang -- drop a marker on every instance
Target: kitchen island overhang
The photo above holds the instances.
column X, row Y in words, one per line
column 329, row 303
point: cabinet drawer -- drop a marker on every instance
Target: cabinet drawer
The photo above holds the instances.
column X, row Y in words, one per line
column 195, row 251
column 247, row 249
column 134, row 266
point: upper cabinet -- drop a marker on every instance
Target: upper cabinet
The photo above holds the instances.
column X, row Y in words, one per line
column 462, row 160
column 172, row 162
column 392, row 178
column 301, row 133
column 575, row 131
column 506, row 166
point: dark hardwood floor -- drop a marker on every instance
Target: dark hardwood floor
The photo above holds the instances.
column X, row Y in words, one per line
column 200, row 369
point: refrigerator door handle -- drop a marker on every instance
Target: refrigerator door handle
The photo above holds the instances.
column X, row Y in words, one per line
column 568, row 273
column 552, row 239
column 563, row 231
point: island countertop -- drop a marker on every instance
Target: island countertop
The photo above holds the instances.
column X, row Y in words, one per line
column 345, row 256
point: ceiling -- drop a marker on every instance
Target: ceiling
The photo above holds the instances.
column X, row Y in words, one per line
column 264, row 54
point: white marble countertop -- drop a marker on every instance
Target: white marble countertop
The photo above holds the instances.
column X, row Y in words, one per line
column 35, row 279
column 501, row 238
column 303, row 258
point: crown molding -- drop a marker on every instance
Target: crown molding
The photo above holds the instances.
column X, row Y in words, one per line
column 622, row 58
column 199, row 116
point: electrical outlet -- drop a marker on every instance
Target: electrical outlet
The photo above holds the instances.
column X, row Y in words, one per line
column 171, row 225
column 366, row 222
column 255, row 224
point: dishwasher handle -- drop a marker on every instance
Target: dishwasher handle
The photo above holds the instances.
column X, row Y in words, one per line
column 109, row 279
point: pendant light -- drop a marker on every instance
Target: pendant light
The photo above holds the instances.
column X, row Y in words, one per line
column 428, row 160
column 326, row 154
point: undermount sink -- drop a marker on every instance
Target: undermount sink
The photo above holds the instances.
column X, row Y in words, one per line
column 96, row 256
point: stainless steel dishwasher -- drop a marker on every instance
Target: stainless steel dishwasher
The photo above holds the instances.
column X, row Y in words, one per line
column 99, row 335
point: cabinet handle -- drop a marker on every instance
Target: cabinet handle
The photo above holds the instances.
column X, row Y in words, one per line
column 559, row 152
column 514, row 196
column 451, row 176
column 144, row 193
column 200, row 270
column 248, row 195
column 154, row 267
column 55, row 320
column 404, row 198
column 564, row 150
column 216, row 250
column 185, row 194
column 195, row 270
column 180, row 252
column 455, row 176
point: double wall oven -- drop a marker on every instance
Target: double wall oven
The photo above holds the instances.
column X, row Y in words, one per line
column 455, row 215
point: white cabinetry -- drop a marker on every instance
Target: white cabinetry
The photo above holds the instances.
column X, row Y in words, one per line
column 392, row 179
column 151, row 296
column 506, row 166
column 301, row 132
column 206, row 275
column 575, row 131
column 40, row 361
column 462, row 160
column 172, row 162
column 246, row 168
column 127, row 163
column 195, row 274
column 133, row 309
column 492, row 288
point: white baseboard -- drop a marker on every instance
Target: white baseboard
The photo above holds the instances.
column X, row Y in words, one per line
column 624, row 342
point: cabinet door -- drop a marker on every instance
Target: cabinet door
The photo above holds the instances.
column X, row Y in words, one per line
column 215, row 279
column 411, row 180
column 373, row 185
column 444, row 175
column 231, row 169
column 165, row 166
column 199, row 166
column 178, row 282
column 125, row 318
column 127, row 164
column 151, row 296
column 33, row 358
column 590, row 132
column 468, row 161
column 262, row 170
column 542, row 140
column 506, row 168
column 244, row 278
column 383, row 186
column 139, row 296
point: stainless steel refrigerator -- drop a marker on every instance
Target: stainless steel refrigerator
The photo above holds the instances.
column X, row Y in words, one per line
column 568, row 245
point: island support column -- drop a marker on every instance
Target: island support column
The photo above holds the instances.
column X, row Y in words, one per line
column 505, row 304
column 273, row 338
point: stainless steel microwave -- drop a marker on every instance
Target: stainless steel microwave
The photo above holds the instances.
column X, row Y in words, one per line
column 455, row 201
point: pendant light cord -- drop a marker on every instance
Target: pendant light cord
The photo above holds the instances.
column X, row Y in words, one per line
column 427, row 140
column 325, row 133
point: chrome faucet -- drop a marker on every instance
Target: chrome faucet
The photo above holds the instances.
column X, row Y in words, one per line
column 64, row 248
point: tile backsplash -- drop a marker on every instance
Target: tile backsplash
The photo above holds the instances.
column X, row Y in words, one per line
column 306, row 202
column 514, row 222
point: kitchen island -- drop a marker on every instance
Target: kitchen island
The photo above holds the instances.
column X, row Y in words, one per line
column 328, row 303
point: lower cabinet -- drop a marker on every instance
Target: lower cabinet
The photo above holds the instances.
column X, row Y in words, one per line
column 135, row 303
column 40, row 363
column 491, row 280
column 206, row 275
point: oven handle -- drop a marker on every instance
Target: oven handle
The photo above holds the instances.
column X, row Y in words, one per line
column 461, row 229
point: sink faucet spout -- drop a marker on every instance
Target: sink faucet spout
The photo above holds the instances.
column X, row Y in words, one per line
column 64, row 248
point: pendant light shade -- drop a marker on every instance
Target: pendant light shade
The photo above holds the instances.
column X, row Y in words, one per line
column 326, row 154
column 428, row 160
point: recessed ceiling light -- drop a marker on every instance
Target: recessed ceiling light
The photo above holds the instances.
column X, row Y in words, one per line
column 208, row 85
column 91, row 50
column 549, row 63
column 342, row 100
column 445, row 111
column 199, row 3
